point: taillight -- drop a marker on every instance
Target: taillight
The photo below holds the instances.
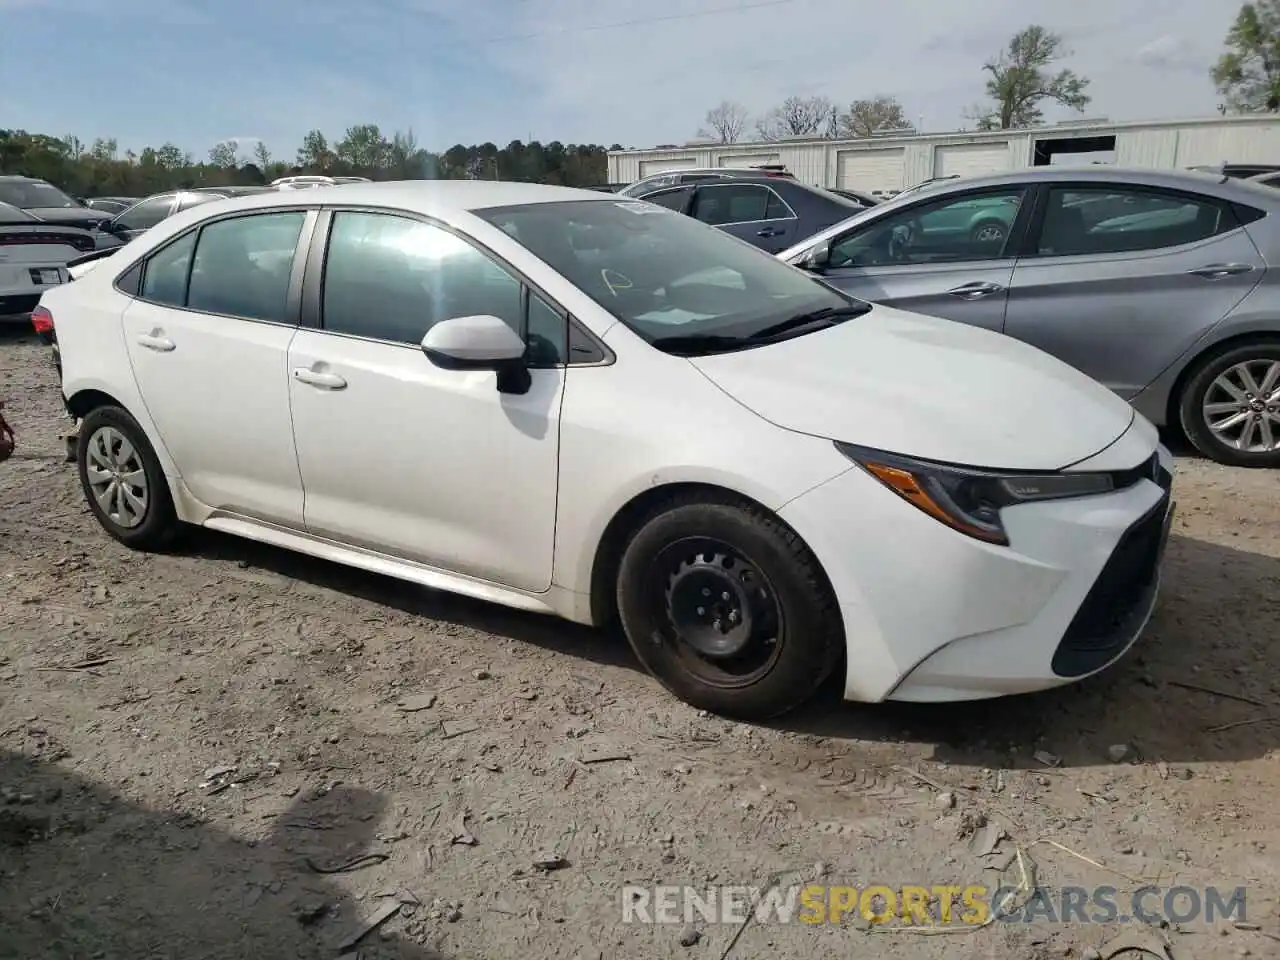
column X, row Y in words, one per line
column 42, row 320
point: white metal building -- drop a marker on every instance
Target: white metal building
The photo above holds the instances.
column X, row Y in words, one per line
column 887, row 163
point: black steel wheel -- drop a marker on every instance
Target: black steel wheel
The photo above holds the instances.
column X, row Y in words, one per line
column 726, row 606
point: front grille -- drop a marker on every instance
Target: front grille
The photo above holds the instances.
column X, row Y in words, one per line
column 1119, row 599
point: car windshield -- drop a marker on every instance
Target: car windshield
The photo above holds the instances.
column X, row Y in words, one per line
column 666, row 275
column 32, row 194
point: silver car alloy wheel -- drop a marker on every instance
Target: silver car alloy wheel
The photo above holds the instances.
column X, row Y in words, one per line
column 1242, row 406
column 116, row 477
column 988, row 233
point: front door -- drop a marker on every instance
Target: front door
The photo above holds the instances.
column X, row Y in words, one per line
column 1122, row 280
column 401, row 456
column 208, row 338
column 951, row 257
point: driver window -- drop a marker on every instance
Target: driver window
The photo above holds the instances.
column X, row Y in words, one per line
column 391, row 278
column 974, row 226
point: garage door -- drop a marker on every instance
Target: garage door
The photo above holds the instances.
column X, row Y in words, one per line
column 649, row 167
column 871, row 171
column 970, row 159
column 739, row 161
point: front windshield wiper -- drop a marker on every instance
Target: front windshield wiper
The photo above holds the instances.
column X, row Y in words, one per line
column 827, row 316
column 698, row 344
column 694, row 344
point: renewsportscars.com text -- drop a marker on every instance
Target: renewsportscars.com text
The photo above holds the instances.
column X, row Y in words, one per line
column 931, row 905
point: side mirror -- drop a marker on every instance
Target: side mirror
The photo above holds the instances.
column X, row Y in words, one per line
column 816, row 259
column 479, row 343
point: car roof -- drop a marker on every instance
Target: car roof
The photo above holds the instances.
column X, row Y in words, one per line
column 422, row 196
column 1210, row 184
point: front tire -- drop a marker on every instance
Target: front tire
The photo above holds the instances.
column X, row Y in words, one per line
column 123, row 481
column 1230, row 406
column 728, row 609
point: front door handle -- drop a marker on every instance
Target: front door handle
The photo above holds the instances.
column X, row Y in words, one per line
column 770, row 232
column 317, row 378
column 976, row 290
column 1216, row 271
column 154, row 341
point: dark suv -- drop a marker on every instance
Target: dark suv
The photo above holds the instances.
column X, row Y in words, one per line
column 768, row 211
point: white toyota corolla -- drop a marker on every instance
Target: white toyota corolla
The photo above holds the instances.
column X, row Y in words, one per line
column 581, row 405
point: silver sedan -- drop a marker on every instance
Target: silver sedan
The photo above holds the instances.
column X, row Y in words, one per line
column 1165, row 286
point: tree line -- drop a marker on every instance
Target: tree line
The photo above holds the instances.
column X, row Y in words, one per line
column 102, row 169
column 1020, row 81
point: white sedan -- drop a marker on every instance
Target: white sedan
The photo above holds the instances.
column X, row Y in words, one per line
column 581, row 405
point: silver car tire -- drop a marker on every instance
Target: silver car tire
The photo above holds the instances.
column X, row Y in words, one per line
column 1229, row 407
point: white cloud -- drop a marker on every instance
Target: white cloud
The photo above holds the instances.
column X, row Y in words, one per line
column 596, row 70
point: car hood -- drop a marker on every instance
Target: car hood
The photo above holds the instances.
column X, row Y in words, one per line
column 70, row 216
column 925, row 387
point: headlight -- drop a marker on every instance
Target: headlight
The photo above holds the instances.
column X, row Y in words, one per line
column 966, row 499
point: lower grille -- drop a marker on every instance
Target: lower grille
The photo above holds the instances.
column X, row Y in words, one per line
column 1119, row 599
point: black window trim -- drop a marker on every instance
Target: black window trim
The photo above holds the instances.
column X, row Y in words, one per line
column 1018, row 230
column 312, row 293
column 293, row 299
column 742, row 183
column 1031, row 238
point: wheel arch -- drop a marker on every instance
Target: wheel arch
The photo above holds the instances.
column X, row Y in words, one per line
column 626, row 522
column 83, row 402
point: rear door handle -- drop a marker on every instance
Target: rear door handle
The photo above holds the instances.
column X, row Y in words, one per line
column 1216, row 271
column 154, row 341
column 976, row 290
column 770, row 232
column 317, row 378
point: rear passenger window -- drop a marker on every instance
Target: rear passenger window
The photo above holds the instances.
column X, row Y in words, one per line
column 733, row 203
column 392, row 278
column 164, row 280
column 242, row 266
column 777, row 210
column 1104, row 220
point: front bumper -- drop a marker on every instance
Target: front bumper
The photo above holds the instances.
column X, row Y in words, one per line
column 933, row 615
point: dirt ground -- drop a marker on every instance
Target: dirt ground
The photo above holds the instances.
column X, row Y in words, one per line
column 191, row 744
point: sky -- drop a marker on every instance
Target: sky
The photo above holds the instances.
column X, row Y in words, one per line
column 634, row 72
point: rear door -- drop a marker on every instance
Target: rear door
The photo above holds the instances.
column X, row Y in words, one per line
column 208, row 338
column 949, row 257
column 750, row 211
column 1119, row 280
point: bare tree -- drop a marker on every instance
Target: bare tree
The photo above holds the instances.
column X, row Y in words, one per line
column 798, row 117
column 223, row 154
column 262, row 155
column 1020, row 81
column 725, row 122
column 1248, row 74
column 865, row 117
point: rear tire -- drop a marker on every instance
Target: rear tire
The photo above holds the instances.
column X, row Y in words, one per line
column 727, row 608
column 123, row 481
column 1228, row 409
